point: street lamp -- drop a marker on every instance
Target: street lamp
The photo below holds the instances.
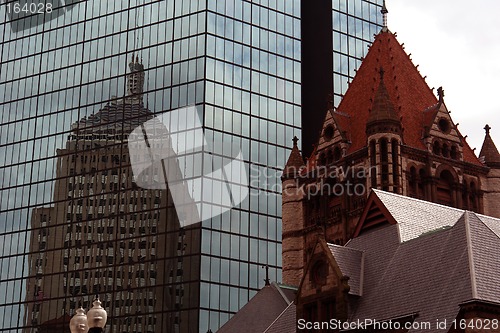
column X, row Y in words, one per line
column 92, row 322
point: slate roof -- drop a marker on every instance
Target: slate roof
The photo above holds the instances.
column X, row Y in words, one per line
column 405, row 90
column 285, row 323
column 351, row 263
column 428, row 271
column 407, row 210
column 262, row 311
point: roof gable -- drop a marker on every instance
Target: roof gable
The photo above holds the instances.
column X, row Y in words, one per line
column 374, row 213
column 331, row 132
column 335, row 279
column 406, row 210
column 437, row 126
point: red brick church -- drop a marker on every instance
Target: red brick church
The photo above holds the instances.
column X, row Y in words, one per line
column 387, row 219
column 392, row 133
column 394, row 180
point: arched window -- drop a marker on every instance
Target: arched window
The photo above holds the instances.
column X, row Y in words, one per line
column 465, row 195
column 445, row 151
column 373, row 164
column 454, row 152
column 322, row 159
column 412, row 182
column 395, row 164
column 445, row 188
column 330, row 158
column 421, row 193
column 319, row 273
column 473, row 197
column 337, row 153
column 436, row 148
column 384, row 159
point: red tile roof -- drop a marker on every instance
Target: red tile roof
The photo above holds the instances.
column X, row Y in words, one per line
column 408, row 91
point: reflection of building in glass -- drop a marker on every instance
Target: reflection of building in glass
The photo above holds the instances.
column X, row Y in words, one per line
column 107, row 236
column 239, row 62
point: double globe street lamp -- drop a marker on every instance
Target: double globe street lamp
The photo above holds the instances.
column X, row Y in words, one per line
column 92, row 322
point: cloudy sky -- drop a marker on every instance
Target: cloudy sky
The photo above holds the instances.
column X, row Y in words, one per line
column 457, row 44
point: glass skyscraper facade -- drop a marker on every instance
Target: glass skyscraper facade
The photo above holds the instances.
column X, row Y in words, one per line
column 75, row 78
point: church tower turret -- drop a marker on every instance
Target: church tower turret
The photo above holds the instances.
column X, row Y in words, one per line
column 384, row 132
column 293, row 218
column 490, row 156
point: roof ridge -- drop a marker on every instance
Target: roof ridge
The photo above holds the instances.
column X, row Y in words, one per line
column 344, row 247
column 282, row 294
column 472, row 271
column 417, row 200
column 279, row 316
column 478, row 216
column 340, row 113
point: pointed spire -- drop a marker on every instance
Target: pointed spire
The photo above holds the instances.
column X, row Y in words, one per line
column 440, row 92
column 384, row 12
column 489, row 153
column 383, row 112
column 295, row 162
column 487, row 129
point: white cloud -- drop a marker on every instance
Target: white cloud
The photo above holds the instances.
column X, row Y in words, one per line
column 456, row 42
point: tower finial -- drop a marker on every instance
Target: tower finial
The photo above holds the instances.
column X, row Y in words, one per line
column 440, row 92
column 384, row 12
column 487, row 129
column 295, row 140
column 267, row 281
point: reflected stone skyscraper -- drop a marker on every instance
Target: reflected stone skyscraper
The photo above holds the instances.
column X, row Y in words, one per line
column 239, row 62
column 105, row 235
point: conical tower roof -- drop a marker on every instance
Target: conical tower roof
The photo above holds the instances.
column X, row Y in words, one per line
column 382, row 112
column 295, row 162
column 489, row 152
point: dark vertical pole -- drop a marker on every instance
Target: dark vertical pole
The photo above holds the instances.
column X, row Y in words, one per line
column 317, row 68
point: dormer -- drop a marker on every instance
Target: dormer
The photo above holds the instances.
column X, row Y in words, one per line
column 333, row 142
column 441, row 135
